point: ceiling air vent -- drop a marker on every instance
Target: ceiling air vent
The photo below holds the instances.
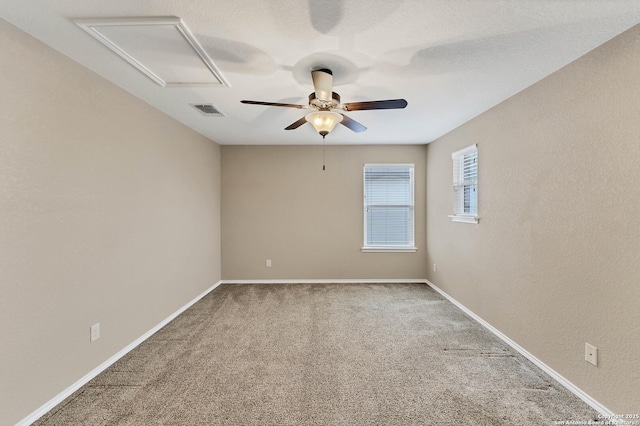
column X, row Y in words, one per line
column 208, row 109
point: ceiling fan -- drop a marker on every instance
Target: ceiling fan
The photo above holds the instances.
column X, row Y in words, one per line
column 324, row 101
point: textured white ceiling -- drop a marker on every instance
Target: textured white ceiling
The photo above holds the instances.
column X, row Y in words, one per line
column 450, row 59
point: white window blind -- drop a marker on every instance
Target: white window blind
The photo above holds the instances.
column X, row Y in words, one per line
column 465, row 184
column 388, row 206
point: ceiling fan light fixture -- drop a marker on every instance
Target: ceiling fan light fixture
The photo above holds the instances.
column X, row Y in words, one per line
column 323, row 121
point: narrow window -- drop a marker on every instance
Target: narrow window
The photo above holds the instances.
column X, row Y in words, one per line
column 388, row 207
column 465, row 185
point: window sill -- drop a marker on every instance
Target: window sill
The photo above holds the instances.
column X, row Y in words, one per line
column 464, row 219
column 389, row 249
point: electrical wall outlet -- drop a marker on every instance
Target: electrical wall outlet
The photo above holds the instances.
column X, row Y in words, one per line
column 591, row 354
column 268, row 263
column 95, row 332
column 435, row 268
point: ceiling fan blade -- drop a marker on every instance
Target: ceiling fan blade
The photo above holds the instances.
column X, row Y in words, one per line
column 322, row 84
column 296, row 124
column 352, row 124
column 273, row 104
column 388, row 104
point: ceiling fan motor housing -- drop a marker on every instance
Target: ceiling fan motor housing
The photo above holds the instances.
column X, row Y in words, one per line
column 324, row 104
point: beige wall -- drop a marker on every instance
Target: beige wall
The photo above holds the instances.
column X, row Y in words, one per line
column 278, row 204
column 554, row 262
column 109, row 212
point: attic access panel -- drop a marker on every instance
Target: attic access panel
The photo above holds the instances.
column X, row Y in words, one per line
column 162, row 48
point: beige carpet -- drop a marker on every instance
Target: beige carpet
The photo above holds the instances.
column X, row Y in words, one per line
column 321, row 354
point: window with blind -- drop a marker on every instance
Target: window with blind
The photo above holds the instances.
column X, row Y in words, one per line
column 388, row 207
column 465, row 185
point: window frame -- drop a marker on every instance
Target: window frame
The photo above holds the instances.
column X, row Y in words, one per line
column 406, row 248
column 458, row 158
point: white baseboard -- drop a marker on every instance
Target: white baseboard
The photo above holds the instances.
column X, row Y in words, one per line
column 325, row 281
column 99, row 369
column 544, row 367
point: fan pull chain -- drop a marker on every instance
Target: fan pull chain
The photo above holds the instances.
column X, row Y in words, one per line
column 323, row 152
